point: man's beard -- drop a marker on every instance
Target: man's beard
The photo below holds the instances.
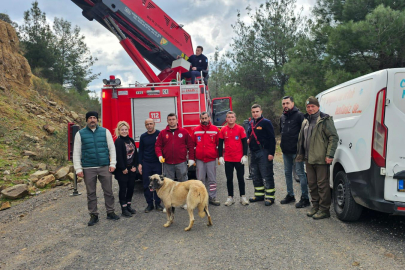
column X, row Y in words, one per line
column 204, row 123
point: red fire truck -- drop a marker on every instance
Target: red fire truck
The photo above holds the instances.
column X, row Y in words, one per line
column 147, row 33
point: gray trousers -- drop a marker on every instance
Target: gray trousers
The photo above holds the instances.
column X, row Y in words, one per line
column 206, row 173
column 105, row 178
column 178, row 171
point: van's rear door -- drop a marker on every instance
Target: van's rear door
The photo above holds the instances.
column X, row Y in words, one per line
column 395, row 122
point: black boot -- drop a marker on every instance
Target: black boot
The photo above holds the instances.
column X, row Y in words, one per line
column 158, row 207
column 93, row 220
column 302, row 203
column 131, row 210
column 149, row 208
column 287, row 199
column 125, row 212
column 112, row 216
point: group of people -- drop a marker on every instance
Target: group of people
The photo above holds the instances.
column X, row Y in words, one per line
column 310, row 139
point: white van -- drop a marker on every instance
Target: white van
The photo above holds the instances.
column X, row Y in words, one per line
column 368, row 169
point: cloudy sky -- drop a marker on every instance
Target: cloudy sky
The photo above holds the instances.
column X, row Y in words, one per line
column 207, row 21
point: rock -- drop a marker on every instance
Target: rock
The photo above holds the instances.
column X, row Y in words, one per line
column 23, row 168
column 4, row 206
column 49, row 129
column 32, row 138
column 2, row 187
column 52, row 103
column 15, row 192
column 62, row 173
column 38, row 175
column 71, row 169
column 58, row 183
column 71, row 176
column 6, row 172
column 42, row 166
column 79, row 179
column 74, row 115
column 29, row 153
column 17, row 182
column 41, row 117
column 41, row 183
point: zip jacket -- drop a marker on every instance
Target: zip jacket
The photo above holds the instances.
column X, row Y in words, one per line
column 206, row 139
column 323, row 141
column 173, row 146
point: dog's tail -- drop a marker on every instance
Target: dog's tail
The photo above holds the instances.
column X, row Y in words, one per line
column 203, row 203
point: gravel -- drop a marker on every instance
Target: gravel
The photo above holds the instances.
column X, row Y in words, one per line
column 50, row 231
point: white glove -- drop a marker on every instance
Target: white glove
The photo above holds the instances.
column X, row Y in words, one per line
column 161, row 159
column 221, row 161
column 244, row 160
column 191, row 163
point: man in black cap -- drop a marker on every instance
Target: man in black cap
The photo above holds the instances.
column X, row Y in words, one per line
column 94, row 157
column 317, row 143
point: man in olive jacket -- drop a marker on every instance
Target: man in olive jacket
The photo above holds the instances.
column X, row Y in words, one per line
column 317, row 143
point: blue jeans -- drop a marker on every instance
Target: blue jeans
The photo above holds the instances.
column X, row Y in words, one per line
column 191, row 74
column 299, row 167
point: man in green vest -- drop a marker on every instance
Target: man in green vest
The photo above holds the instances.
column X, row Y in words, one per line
column 94, row 157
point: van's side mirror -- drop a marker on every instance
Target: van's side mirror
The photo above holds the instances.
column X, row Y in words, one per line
column 220, row 106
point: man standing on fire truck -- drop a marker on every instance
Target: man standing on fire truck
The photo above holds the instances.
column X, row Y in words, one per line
column 205, row 138
column 199, row 62
column 171, row 147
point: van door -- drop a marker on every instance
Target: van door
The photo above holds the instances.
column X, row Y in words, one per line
column 155, row 108
column 395, row 122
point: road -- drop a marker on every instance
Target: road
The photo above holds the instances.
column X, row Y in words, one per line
column 50, row 232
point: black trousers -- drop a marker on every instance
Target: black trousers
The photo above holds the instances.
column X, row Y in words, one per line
column 126, row 183
column 240, row 171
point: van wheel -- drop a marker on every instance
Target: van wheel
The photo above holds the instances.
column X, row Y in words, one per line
column 345, row 207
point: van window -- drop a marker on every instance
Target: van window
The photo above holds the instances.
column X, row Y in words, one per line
column 399, row 95
column 348, row 101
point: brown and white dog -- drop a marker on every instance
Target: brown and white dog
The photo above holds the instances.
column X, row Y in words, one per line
column 175, row 194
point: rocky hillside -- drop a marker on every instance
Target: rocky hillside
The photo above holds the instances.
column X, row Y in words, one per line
column 33, row 126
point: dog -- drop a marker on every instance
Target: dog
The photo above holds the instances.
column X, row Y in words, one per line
column 174, row 194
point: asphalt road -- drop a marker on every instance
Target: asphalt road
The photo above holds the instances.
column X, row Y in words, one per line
column 50, row 232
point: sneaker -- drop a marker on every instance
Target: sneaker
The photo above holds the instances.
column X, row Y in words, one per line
column 312, row 212
column 256, row 199
column 149, row 208
column 214, row 201
column 244, row 200
column 287, row 199
column 184, row 207
column 158, row 207
column 93, row 220
column 302, row 203
column 268, row 202
column 125, row 212
column 131, row 210
column 229, row 201
column 112, row 216
column 321, row 215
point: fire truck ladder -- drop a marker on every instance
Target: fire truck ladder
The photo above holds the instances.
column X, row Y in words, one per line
column 191, row 102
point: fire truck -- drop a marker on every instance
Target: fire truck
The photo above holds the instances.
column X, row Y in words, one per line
column 148, row 34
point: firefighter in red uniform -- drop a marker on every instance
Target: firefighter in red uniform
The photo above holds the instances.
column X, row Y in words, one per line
column 234, row 156
column 172, row 146
column 205, row 138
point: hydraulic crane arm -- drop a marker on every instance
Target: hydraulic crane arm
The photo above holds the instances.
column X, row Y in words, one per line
column 143, row 29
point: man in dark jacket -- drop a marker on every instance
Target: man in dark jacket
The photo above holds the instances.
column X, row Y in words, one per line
column 317, row 143
column 262, row 144
column 149, row 164
column 199, row 62
column 290, row 126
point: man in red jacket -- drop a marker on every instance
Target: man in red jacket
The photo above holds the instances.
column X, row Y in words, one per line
column 206, row 137
column 171, row 147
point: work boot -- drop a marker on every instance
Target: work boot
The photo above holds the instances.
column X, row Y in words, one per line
column 302, row 203
column 214, row 201
column 287, row 199
column 268, row 202
column 93, row 220
column 256, row 199
column 229, row 201
column 113, row 216
column 312, row 212
column 244, row 200
column 321, row 215
column 149, row 208
column 125, row 211
column 131, row 210
column 158, row 207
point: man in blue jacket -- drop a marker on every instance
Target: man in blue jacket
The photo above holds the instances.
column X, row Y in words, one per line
column 198, row 62
column 149, row 164
column 262, row 144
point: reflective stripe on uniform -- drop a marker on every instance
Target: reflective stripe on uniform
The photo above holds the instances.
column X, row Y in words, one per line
column 259, row 194
column 270, row 190
column 269, row 196
column 259, row 188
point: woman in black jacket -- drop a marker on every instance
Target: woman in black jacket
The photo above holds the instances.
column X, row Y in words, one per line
column 127, row 162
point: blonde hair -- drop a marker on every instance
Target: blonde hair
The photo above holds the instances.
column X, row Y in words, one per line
column 119, row 126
